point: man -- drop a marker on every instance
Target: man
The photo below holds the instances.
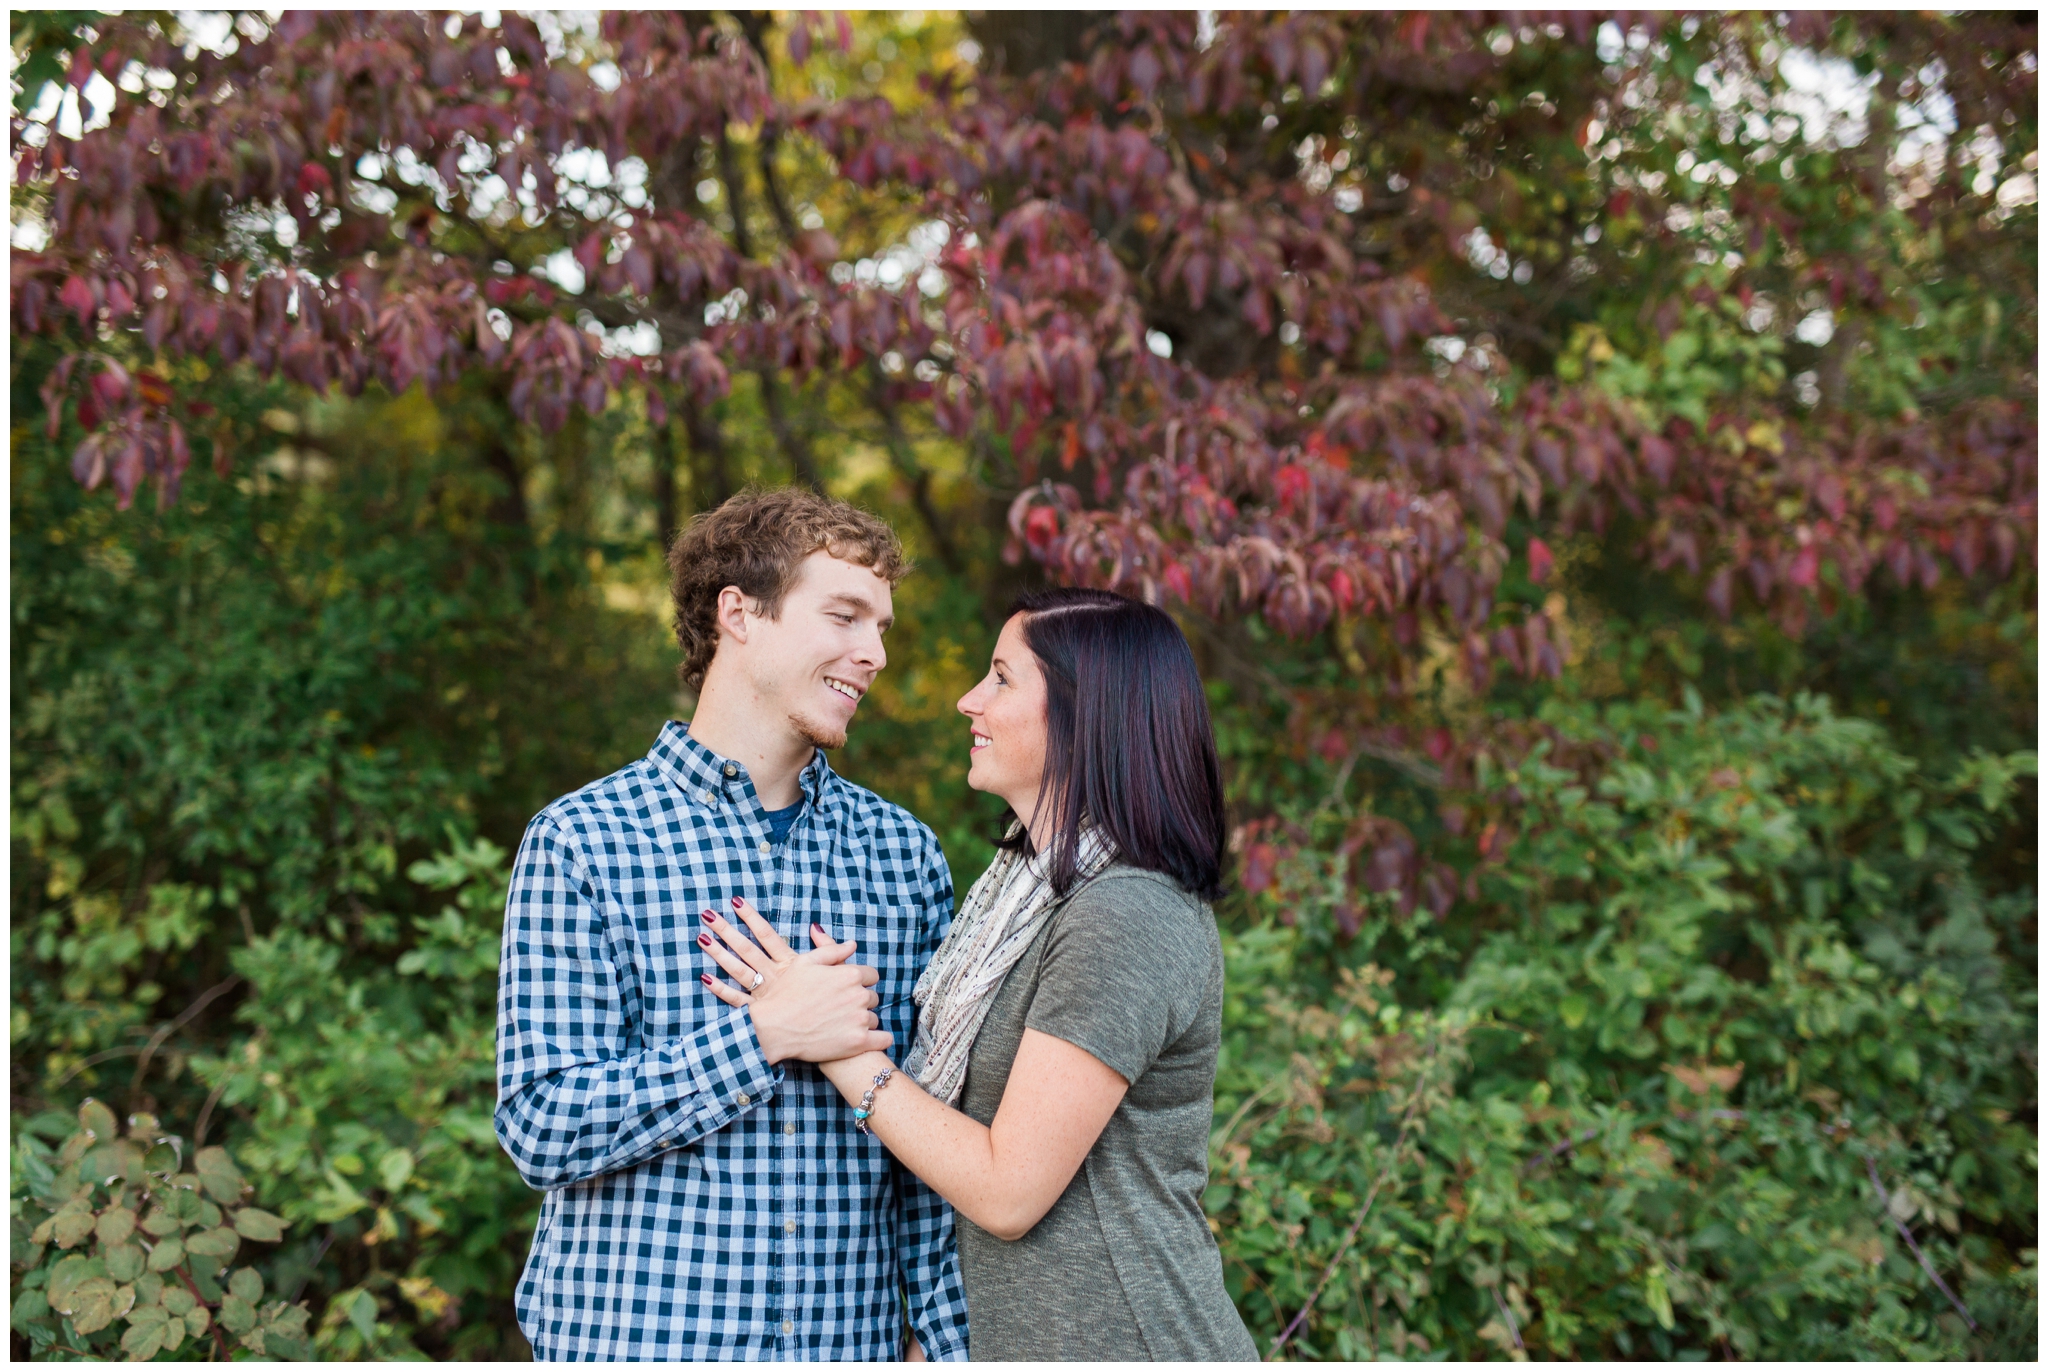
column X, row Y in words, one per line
column 707, row 1193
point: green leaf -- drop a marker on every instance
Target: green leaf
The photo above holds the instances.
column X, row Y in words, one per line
column 247, row 1283
column 143, row 1341
column 160, row 1222
column 394, row 1169
column 166, row 1255
column 178, row 1300
column 116, row 1225
column 1573, row 1010
column 258, row 1225
column 71, row 1226
column 362, row 1313
column 1657, row 1296
column 68, row 1275
column 90, row 1304
column 213, row 1243
column 97, row 1120
column 28, row 1305
column 218, row 1174
column 237, row 1313
column 183, row 1204
column 197, row 1320
column 124, row 1261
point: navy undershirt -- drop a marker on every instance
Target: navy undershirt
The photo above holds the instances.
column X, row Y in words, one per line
column 779, row 822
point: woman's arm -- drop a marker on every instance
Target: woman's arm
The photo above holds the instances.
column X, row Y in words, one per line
column 1004, row 1176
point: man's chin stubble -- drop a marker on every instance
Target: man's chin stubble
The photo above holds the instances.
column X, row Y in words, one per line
column 817, row 734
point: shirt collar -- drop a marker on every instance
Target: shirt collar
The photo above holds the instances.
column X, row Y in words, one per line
column 695, row 768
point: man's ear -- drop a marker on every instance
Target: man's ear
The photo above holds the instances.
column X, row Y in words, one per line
column 734, row 605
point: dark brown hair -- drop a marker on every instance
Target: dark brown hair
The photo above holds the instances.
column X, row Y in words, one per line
column 756, row 541
column 1128, row 742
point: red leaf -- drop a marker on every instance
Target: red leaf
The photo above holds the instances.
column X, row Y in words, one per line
column 1260, row 860
column 1539, row 561
column 1041, row 527
column 1805, row 569
column 77, row 296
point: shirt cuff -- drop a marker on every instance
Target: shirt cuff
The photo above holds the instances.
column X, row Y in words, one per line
column 732, row 1075
column 952, row 1351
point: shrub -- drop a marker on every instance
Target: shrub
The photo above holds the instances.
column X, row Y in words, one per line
column 135, row 1253
column 1718, row 1044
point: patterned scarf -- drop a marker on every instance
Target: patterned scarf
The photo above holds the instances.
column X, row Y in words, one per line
column 1001, row 916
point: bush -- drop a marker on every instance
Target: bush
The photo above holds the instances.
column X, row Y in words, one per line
column 1728, row 1017
column 134, row 1255
column 255, row 739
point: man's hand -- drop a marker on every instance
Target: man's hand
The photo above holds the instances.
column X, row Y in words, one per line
column 814, row 1006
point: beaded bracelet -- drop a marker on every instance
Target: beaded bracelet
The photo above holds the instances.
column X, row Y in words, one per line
column 866, row 1109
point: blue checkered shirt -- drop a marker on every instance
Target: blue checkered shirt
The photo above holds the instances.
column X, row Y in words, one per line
column 700, row 1203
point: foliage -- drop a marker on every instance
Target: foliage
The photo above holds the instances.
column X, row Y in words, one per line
column 238, row 732
column 1695, row 1009
column 1471, row 385
column 132, row 1237
column 1291, row 454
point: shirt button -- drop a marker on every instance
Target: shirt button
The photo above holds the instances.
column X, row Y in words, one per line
column 764, row 845
column 789, row 1128
column 742, row 1099
column 704, row 796
column 731, row 770
column 789, row 1326
column 789, row 1226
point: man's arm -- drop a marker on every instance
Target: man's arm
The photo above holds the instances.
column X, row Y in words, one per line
column 926, row 1251
column 578, row 1096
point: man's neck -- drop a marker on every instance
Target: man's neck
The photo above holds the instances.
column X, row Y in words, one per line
column 732, row 723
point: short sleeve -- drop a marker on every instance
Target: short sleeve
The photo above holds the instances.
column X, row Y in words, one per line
column 1125, row 968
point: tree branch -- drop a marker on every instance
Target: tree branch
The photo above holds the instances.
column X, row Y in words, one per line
column 1884, row 1199
column 911, row 470
column 206, row 998
column 801, row 464
column 711, row 483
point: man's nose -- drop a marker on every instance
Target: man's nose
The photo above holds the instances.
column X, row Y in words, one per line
column 871, row 654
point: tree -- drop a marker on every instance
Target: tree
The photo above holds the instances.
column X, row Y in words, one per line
column 1438, row 370
column 1228, row 199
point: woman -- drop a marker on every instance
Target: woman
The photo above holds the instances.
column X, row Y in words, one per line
column 1059, row 1092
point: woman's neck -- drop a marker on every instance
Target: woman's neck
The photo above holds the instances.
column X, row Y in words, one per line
column 1039, row 819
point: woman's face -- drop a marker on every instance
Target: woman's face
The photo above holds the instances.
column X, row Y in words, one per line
column 1006, row 724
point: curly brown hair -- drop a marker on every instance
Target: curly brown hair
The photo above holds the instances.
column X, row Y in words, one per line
column 756, row 541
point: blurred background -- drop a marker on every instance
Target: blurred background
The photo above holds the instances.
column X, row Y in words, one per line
column 1594, row 459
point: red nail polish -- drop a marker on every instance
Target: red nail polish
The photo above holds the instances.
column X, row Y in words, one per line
column 704, row 939
column 704, row 977
column 709, row 917
column 736, row 902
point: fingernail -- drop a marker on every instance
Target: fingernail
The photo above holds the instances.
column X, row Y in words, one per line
column 704, row 939
column 737, row 902
column 709, row 917
column 704, row 977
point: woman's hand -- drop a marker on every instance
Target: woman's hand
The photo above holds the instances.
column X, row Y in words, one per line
column 813, row 1006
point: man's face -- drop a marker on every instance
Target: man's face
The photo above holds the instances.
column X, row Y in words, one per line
column 815, row 660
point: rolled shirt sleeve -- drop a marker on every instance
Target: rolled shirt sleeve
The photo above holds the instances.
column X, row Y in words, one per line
column 577, row 1096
